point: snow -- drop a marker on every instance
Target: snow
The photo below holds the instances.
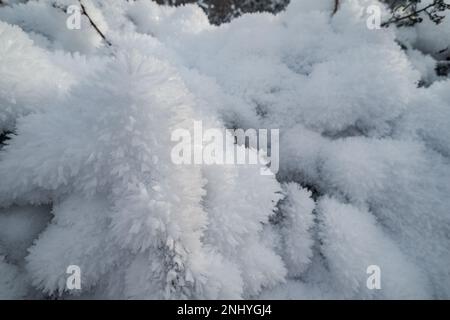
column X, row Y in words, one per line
column 19, row 227
column 87, row 176
column 296, row 230
column 352, row 242
column 22, row 94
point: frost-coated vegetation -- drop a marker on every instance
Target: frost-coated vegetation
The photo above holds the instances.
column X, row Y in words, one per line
column 86, row 176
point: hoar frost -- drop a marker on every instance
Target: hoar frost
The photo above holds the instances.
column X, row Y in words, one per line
column 87, row 179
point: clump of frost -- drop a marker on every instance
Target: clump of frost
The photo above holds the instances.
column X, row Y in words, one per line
column 109, row 176
column 28, row 78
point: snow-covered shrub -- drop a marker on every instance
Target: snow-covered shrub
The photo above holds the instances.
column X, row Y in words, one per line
column 87, row 178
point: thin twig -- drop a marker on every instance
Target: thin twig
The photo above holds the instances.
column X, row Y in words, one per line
column 83, row 9
column 336, row 6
